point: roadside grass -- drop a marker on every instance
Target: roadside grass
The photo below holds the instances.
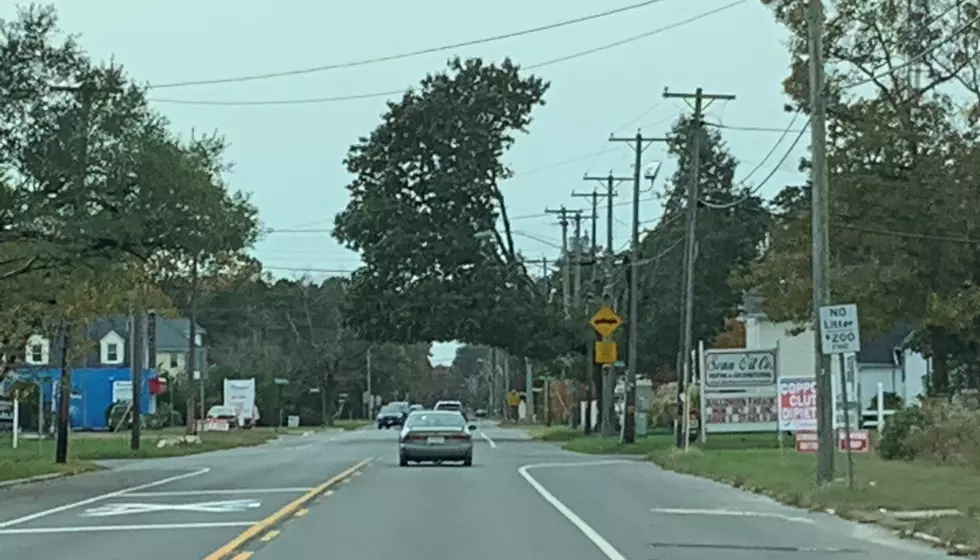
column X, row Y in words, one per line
column 33, row 457
column 348, row 425
column 892, row 486
column 757, row 463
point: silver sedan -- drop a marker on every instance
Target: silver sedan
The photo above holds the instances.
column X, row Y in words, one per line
column 436, row 436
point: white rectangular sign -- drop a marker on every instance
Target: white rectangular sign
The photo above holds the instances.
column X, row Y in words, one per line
column 840, row 332
column 737, row 369
column 240, row 395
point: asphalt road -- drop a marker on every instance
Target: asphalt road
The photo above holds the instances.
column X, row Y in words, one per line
column 521, row 500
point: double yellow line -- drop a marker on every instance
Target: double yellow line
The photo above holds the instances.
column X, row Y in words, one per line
column 262, row 526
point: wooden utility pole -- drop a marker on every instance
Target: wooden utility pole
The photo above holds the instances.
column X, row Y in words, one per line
column 690, row 244
column 628, row 433
column 820, row 242
column 607, row 381
column 566, row 269
column 86, row 95
column 137, row 353
column 595, row 372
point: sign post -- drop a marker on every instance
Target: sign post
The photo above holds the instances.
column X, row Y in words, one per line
column 606, row 322
column 280, row 382
column 840, row 334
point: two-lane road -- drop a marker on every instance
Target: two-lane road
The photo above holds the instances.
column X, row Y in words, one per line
column 521, row 500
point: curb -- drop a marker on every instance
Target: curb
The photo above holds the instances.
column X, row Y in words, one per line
column 30, row 479
column 255, row 530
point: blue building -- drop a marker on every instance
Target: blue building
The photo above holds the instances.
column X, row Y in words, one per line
column 94, row 392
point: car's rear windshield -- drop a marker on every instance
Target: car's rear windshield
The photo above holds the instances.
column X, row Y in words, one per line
column 434, row 420
column 389, row 409
column 449, row 406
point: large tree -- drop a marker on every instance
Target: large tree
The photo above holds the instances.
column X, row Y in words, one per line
column 427, row 214
column 731, row 225
column 903, row 156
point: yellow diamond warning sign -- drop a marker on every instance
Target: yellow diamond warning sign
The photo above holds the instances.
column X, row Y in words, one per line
column 606, row 321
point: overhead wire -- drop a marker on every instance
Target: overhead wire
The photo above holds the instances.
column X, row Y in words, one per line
column 409, row 54
column 390, row 93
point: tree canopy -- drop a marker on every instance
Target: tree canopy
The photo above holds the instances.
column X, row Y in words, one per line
column 903, row 101
column 427, row 214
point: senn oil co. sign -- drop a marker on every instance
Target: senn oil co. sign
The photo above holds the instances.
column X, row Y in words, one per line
column 740, row 368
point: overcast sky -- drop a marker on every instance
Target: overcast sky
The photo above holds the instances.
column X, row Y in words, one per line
column 288, row 155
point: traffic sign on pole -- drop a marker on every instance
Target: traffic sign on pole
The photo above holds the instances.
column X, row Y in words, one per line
column 605, row 352
column 606, row 321
column 840, row 331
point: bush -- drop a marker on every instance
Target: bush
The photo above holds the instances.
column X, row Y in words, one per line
column 895, row 442
column 951, row 435
column 939, row 431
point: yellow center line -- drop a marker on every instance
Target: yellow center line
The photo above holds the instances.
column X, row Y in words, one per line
column 243, row 555
column 267, row 523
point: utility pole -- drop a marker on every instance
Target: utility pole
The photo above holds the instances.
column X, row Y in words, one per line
column 577, row 291
column 137, row 353
column 566, row 283
column 820, row 242
column 595, row 373
column 628, row 434
column 85, row 94
column 191, row 365
column 566, row 269
column 690, row 246
column 607, row 383
column 369, row 390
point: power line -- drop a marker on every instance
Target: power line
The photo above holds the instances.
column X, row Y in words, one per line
column 408, row 54
column 389, row 93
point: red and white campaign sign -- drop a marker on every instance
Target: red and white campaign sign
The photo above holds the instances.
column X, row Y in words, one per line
column 860, row 441
column 797, row 404
column 806, row 442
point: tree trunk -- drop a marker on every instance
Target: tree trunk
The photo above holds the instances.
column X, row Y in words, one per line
column 939, row 381
column 329, row 389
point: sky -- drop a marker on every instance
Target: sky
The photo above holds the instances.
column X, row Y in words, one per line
column 289, row 134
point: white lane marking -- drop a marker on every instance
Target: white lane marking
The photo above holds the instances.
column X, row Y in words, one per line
column 581, row 464
column 217, row 492
column 228, row 506
column 307, row 446
column 732, row 513
column 493, row 444
column 601, row 543
column 100, row 497
column 100, row 528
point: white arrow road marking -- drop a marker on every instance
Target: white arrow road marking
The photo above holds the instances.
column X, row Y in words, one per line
column 227, row 506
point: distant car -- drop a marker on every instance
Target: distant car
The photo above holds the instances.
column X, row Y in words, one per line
column 226, row 413
column 480, row 413
column 436, row 436
column 390, row 416
column 415, row 407
column 402, row 406
column 455, row 406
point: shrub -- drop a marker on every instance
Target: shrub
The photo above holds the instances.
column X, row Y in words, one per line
column 895, row 438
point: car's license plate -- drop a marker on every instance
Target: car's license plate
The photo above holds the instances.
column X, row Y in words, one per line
column 436, row 439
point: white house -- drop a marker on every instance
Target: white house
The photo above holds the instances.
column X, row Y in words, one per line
column 883, row 359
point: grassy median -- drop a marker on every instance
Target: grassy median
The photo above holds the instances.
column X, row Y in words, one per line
column 755, row 462
column 33, row 458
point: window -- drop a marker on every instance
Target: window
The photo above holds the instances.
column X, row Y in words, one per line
column 112, row 352
column 37, row 354
column 174, row 362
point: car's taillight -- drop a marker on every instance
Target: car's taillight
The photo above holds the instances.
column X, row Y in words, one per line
column 462, row 436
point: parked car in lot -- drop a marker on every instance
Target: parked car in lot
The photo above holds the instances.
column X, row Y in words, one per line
column 436, row 436
column 390, row 416
column 223, row 413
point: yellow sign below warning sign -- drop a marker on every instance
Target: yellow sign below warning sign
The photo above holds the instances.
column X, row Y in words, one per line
column 514, row 398
column 606, row 321
column 605, row 352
